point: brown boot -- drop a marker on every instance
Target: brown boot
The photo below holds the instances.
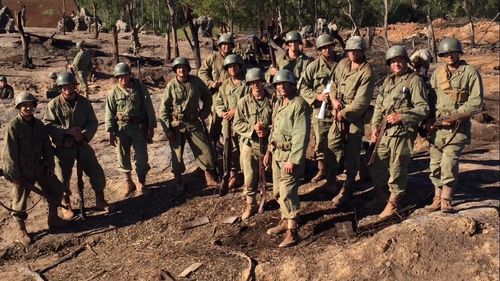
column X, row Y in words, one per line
column 141, row 184
column 320, row 175
column 250, row 208
column 179, row 185
column 278, row 229
column 101, row 204
column 129, row 185
column 446, row 199
column 210, row 178
column 291, row 236
column 391, row 207
column 344, row 195
column 232, row 180
column 54, row 221
column 21, row 235
column 436, row 202
column 68, row 213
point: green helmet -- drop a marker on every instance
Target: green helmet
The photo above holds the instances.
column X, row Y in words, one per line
column 121, row 68
column 254, row 74
column 226, row 38
column 355, row 43
column 232, row 59
column 181, row 61
column 293, row 36
column 324, row 40
column 396, row 51
column 283, row 76
column 3, row 79
column 65, row 78
column 25, row 97
column 448, row 45
column 52, row 75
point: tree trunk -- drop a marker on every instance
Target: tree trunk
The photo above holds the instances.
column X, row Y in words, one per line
column 94, row 7
column 168, row 53
column 432, row 40
column 135, row 32
column 115, row 45
column 196, row 42
column 64, row 17
column 467, row 8
column 370, row 34
column 25, row 39
column 172, row 6
column 386, row 16
column 349, row 15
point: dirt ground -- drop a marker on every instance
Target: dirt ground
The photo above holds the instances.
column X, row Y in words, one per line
column 144, row 239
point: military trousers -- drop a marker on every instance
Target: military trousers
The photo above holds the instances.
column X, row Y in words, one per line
column 444, row 162
column 286, row 189
column 65, row 159
column 249, row 161
column 321, row 128
column 84, row 77
column 132, row 135
column 391, row 163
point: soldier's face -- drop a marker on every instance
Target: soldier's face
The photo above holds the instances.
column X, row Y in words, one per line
column 327, row 51
column 257, row 88
column 398, row 65
column 123, row 80
column 451, row 58
column 225, row 48
column 181, row 72
column 68, row 91
column 2, row 84
column 355, row 55
column 284, row 89
column 294, row 46
column 26, row 109
column 233, row 69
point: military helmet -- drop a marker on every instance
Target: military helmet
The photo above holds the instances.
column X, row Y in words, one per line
column 226, row 38
column 25, row 97
column 79, row 44
column 396, row 51
column 53, row 75
column 232, row 59
column 324, row 40
column 121, row 68
column 181, row 61
column 65, row 78
column 293, row 36
column 355, row 43
column 254, row 74
column 3, row 79
column 283, row 76
column 448, row 45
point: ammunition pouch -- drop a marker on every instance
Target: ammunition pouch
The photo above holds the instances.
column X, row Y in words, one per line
column 284, row 146
column 132, row 120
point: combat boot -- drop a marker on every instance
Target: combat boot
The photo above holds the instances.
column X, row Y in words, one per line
column 210, row 178
column 446, row 199
column 232, row 180
column 179, row 185
column 291, row 236
column 54, row 221
column 141, row 184
column 320, row 175
column 250, row 208
column 391, row 207
column 129, row 185
column 344, row 195
column 278, row 229
column 101, row 204
column 21, row 235
column 68, row 213
column 436, row 201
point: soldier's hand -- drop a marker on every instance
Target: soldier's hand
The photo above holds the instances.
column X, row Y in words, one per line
column 322, row 96
column 150, row 134
column 228, row 115
column 79, row 137
column 215, row 84
column 267, row 159
column 288, row 167
column 112, row 139
column 394, row 118
column 171, row 136
column 336, row 104
column 273, row 71
column 73, row 131
column 373, row 136
column 339, row 116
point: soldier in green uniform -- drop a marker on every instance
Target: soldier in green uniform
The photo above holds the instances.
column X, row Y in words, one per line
column 351, row 93
column 293, row 60
column 458, row 89
column 315, row 89
column 252, row 122
column 226, row 100
column 6, row 90
column 181, row 119
column 52, row 89
column 83, row 63
column 130, row 122
column 72, row 124
column 403, row 102
column 288, row 144
column 212, row 73
column 28, row 158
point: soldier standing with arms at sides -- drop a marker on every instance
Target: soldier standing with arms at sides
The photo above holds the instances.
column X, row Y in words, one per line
column 6, row 90
column 72, row 124
column 293, row 60
column 130, row 122
column 403, row 103
column 28, row 157
column 314, row 90
column 230, row 92
column 181, row 119
column 288, row 144
column 351, row 93
column 82, row 63
column 458, row 89
column 212, row 73
column 252, row 122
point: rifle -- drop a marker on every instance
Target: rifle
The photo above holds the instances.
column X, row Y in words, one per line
column 262, row 175
column 272, row 54
column 146, row 127
column 226, row 160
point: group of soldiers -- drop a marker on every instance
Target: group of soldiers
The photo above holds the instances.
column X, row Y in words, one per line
column 330, row 93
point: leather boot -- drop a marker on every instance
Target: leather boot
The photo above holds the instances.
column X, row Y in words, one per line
column 278, row 229
column 446, row 199
column 129, row 185
column 391, row 207
column 250, row 208
column 67, row 214
column 232, row 180
column 21, row 235
column 344, row 195
column 53, row 220
column 141, row 184
column 101, row 204
column 291, row 236
column 320, row 175
column 179, row 185
column 210, row 178
column 436, row 202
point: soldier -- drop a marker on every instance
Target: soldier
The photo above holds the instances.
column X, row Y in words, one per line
column 28, row 158
column 212, row 73
column 252, row 122
column 458, row 89
column 52, row 89
column 6, row 90
column 314, row 90
column 293, row 60
column 72, row 124
column 130, row 121
column 83, row 64
column 182, row 119
column 230, row 92
column 351, row 93
column 403, row 103
column 288, row 144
